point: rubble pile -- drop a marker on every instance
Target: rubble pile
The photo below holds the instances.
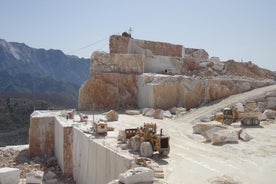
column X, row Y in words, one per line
column 33, row 169
column 262, row 106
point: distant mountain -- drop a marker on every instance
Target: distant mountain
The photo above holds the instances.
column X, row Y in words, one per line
column 33, row 79
column 18, row 58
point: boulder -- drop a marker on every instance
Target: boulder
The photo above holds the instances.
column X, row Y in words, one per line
column 207, row 118
column 50, row 177
column 114, row 182
column 167, row 114
column 180, row 111
column 208, row 134
column 202, row 127
column 239, row 107
column 135, row 144
column 149, row 112
column 243, row 135
column 34, row 177
column 173, row 110
column 9, row 175
column 132, row 112
column 225, row 136
column 121, row 136
column 137, row 175
column 146, row 149
column 112, row 115
column 271, row 102
column 214, row 59
column 218, row 66
column 158, row 114
column 270, row 114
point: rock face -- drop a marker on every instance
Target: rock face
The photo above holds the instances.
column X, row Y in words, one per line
column 134, row 75
column 123, row 45
column 106, row 91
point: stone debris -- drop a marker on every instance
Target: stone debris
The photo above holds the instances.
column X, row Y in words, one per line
column 137, row 175
column 173, row 110
column 218, row 66
column 243, row 135
column 225, row 136
column 134, row 144
column 207, row 118
column 50, row 177
column 167, row 114
column 208, row 134
column 20, row 159
column 158, row 114
column 199, row 128
column 146, row 149
column 34, row 177
column 224, row 179
column 180, row 111
column 132, row 112
column 9, row 175
column 121, row 136
column 112, row 115
column 270, row 114
column 239, row 106
column 151, row 164
column 148, row 112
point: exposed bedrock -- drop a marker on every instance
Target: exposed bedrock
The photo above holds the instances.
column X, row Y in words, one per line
column 169, row 91
column 108, row 91
column 139, row 73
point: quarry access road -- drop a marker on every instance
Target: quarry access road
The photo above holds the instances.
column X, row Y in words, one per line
column 192, row 160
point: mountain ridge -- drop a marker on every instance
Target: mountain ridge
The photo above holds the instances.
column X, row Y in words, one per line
column 20, row 58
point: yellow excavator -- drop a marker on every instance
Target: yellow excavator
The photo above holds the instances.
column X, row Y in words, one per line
column 231, row 115
column 150, row 140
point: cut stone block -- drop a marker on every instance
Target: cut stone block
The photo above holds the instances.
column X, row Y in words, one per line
column 34, row 177
column 225, row 136
column 9, row 175
column 137, row 175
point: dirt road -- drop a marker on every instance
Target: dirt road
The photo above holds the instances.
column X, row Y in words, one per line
column 194, row 161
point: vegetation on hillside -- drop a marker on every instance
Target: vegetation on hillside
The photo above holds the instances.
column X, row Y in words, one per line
column 15, row 114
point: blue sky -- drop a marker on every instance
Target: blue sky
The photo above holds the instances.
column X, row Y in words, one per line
column 237, row 29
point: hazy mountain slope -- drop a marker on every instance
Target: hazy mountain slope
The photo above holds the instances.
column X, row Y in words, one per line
column 18, row 58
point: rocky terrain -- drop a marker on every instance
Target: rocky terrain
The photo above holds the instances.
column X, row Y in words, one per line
column 35, row 79
column 176, row 88
column 135, row 74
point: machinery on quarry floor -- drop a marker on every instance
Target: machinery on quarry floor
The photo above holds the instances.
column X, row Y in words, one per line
column 228, row 116
column 100, row 128
column 148, row 140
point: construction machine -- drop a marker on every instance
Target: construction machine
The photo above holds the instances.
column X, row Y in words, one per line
column 149, row 140
column 230, row 115
column 100, row 128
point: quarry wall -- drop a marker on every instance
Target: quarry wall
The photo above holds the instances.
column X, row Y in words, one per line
column 134, row 75
column 78, row 154
column 123, row 45
column 165, row 91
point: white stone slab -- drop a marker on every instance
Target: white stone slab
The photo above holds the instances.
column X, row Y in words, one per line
column 9, row 175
